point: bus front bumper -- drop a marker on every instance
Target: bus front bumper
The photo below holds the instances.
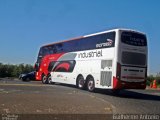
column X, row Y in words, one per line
column 118, row 84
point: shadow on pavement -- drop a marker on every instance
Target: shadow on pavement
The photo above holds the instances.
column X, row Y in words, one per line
column 131, row 94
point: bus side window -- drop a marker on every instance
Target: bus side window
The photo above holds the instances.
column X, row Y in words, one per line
column 51, row 64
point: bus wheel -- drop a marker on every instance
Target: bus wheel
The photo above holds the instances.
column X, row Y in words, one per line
column 80, row 82
column 49, row 79
column 90, row 84
column 44, row 79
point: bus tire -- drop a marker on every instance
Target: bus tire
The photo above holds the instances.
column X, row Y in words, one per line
column 90, row 84
column 44, row 79
column 49, row 79
column 27, row 80
column 80, row 82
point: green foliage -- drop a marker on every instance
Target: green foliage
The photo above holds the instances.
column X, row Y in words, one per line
column 8, row 70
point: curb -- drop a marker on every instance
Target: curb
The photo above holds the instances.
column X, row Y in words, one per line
column 148, row 88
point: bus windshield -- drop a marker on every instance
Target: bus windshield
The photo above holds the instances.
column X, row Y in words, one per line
column 132, row 38
column 136, row 40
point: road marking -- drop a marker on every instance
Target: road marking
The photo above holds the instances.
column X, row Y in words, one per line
column 1, row 92
column 6, row 110
column 103, row 100
column 112, row 108
column 23, row 85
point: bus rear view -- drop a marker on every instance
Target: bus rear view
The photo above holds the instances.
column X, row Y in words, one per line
column 131, row 70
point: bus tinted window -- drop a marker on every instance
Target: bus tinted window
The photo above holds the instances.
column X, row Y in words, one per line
column 51, row 65
column 64, row 66
column 93, row 42
column 129, row 58
column 135, row 39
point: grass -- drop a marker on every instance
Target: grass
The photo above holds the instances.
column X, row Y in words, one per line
column 158, row 86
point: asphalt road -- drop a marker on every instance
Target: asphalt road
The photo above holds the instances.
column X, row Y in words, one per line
column 17, row 97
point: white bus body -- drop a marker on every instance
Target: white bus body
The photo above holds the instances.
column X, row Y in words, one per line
column 117, row 63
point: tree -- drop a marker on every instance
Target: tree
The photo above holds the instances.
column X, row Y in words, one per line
column 150, row 79
column 8, row 70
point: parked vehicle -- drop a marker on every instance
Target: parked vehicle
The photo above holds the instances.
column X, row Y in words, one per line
column 28, row 76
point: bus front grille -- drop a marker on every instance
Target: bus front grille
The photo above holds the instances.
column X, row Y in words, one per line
column 106, row 78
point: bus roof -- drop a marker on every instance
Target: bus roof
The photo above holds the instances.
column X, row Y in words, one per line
column 98, row 33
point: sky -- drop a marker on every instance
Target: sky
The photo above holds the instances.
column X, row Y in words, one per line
column 25, row 25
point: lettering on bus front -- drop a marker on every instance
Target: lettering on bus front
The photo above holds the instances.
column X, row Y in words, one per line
column 134, row 39
column 97, row 53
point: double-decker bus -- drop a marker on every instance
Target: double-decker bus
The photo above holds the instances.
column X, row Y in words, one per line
column 113, row 59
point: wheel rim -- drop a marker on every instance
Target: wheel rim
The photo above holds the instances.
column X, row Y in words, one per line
column 44, row 79
column 49, row 80
column 81, row 83
column 90, row 85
